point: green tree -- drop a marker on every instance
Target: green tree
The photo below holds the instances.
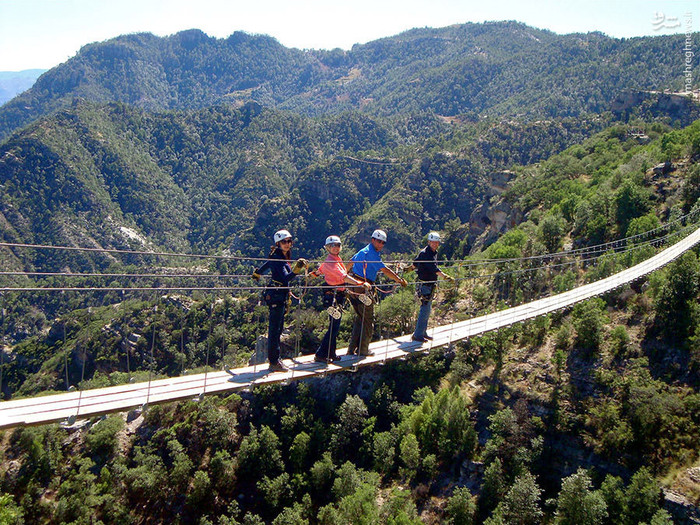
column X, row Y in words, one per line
column 631, row 201
column 674, row 303
column 460, row 507
column 299, row 451
column 493, row 487
column 102, row 437
column 661, row 517
column 399, row 509
column 613, row 492
column 552, row 229
column 521, row 504
column 589, row 318
column 357, row 508
column 409, row 453
column 347, row 432
column 259, row 454
column 577, row 503
column 384, row 452
column 441, row 424
column 10, row 513
column 642, row 497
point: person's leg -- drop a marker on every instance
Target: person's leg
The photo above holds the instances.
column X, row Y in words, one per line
column 274, row 332
column 367, row 329
column 422, row 322
column 356, row 326
column 333, row 331
column 324, row 348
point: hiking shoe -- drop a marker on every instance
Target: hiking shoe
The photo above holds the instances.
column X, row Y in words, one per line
column 319, row 359
column 367, row 353
column 278, row 367
column 419, row 339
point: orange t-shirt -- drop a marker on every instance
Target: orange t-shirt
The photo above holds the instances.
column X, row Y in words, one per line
column 333, row 270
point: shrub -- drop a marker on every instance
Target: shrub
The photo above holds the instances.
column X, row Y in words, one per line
column 460, row 507
column 442, row 426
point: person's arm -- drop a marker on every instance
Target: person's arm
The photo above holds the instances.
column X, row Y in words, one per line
column 351, row 280
column 445, row 276
column 392, row 275
column 351, row 263
column 257, row 273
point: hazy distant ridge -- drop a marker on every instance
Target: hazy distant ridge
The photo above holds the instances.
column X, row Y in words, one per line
column 12, row 83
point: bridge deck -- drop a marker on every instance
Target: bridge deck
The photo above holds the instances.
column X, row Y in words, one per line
column 87, row 403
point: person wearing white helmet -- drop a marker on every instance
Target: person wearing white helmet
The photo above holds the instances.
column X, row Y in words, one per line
column 427, row 269
column 276, row 294
column 364, row 266
column 336, row 276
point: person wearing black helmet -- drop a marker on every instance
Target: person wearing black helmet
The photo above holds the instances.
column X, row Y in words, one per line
column 427, row 269
column 276, row 294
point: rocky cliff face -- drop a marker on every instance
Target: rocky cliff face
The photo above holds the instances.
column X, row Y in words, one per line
column 494, row 216
column 678, row 106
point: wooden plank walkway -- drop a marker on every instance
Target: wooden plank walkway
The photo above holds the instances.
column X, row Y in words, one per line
column 88, row 403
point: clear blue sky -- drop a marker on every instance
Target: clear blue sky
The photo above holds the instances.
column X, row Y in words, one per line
column 43, row 33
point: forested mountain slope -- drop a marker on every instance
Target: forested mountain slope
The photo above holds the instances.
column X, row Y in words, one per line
column 224, row 178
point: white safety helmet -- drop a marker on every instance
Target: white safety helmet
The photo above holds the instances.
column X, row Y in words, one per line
column 282, row 235
column 434, row 236
column 380, row 235
column 332, row 239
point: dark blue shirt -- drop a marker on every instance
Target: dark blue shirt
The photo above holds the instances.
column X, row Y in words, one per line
column 280, row 269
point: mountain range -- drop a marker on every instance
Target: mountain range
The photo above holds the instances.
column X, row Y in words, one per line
column 499, row 68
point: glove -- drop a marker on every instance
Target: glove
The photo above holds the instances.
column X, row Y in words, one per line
column 407, row 267
column 367, row 286
column 256, row 276
column 300, row 265
column 449, row 278
column 403, row 283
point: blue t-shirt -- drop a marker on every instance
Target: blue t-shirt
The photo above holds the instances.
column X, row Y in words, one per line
column 368, row 262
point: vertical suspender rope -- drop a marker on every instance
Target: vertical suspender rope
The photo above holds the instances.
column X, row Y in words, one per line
column 65, row 353
column 82, row 374
column 297, row 343
column 225, row 334
column 255, row 343
column 183, row 328
column 128, row 358
column 152, row 360
column 206, row 362
column 2, row 340
column 386, row 340
column 195, row 339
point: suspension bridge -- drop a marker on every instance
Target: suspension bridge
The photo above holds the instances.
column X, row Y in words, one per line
column 78, row 404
